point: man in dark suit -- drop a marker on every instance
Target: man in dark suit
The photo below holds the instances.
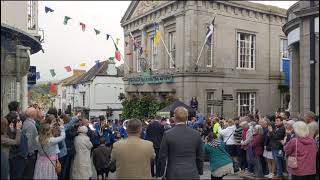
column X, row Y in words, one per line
column 154, row 134
column 182, row 147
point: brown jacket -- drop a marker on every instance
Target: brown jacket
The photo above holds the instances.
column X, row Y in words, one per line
column 133, row 156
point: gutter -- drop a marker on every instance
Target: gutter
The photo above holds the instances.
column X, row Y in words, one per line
column 312, row 62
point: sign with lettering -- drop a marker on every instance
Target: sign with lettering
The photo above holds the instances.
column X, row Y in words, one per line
column 227, row 97
column 32, row 75
column 151, row 79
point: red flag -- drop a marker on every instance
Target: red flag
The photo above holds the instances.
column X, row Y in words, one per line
column 67, row 68
column 117, row 55
column 83, row 26
column 52, row 88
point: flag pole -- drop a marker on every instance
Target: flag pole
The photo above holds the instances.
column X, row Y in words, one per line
column 121, row 55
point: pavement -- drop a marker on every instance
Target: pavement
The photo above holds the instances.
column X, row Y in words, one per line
column 206, row 174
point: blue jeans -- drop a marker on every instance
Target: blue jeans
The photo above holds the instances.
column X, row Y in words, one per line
column 278, row 160
column 65, row 167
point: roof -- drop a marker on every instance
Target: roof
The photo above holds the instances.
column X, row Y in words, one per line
column 244, row 4
column 76, row 74
column 25, row 38
column 96, row 71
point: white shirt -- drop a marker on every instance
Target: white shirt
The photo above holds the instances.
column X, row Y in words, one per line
column 228, row 134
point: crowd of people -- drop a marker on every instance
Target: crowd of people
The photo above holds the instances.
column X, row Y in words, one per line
column 38, row 145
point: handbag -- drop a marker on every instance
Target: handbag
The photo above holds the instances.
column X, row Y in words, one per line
column 57, row 166
column 112, row 166
column 292, row 160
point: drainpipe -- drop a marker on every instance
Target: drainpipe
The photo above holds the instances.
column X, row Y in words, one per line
column 312, row 62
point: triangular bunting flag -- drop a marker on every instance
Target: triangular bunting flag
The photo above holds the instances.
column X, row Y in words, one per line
column 52, row 88
column 38, row 75
column 82, row 64
column 68, row 68
column 117, row 41
column 53, row 74
column 98, row 63
column 47, row 9
column 66, row 19
column 117, row 55
column 96, row 31
column 83, row 26
column 108, row 36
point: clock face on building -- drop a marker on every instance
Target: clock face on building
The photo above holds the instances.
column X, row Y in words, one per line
column 144, row 64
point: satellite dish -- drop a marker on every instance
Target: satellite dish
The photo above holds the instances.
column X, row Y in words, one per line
column 144, row 64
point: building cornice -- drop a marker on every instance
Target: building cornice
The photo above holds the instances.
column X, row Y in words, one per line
column 291, row 25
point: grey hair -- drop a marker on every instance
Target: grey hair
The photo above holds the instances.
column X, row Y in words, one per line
column 309, row 115
column 300, row 129
column 259, row 129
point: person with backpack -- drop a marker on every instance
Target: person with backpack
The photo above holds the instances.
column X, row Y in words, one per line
column 101, row 158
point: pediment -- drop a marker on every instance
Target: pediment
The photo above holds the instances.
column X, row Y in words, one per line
column 138, row 8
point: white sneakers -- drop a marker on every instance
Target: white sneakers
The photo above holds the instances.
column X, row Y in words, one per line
column 269, row 176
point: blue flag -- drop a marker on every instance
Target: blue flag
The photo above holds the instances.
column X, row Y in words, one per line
column 98, row 63
column 47, row 9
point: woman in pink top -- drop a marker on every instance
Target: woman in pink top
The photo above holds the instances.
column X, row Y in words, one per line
column 305, row 152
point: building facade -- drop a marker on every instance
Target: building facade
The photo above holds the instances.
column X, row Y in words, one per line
column 238, row 72
column 96, row 91
column 302, row 30
column 19, row 39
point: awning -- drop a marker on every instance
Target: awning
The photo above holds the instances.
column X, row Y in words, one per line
column 25, row 38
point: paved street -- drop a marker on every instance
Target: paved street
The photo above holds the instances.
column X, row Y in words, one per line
column 206, row 174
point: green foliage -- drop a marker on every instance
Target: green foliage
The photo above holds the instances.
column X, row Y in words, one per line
column 143, row 107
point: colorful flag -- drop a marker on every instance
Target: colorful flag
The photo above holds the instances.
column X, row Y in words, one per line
column 47, row 9
column 38, row 75
column 108, row 36
column 66, row 19
column 98, row 63
column 209, row 33
column 97, row 31
column 82, row 64
column 68, row 68
column 156, row 39
column 117, row 55
column 52, row 88
column 53, row 74
column 83, row 26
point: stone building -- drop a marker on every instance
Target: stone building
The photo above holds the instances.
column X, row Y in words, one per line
column 19, row 39
column 302, row 30
column 238, row 72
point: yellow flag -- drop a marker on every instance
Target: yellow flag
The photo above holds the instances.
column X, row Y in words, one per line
column 156, row 39
column 83, row 64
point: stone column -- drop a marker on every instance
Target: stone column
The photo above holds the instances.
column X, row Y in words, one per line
column 24, row 92
column 294, row 79
column 162, row 53
column 180, row 41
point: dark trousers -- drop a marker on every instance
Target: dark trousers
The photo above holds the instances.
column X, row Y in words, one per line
column 29, row 167
column 216, row 178
column 155, row 162
column 243, row 159
column 65, row 167
column 17, row 165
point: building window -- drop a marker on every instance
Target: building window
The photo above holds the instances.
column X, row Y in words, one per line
column 138, row 55
column 284, row 53
column 246, row 103
column 209, row 58
column 83, row 96
column 246, row 46
column 154, row 53
column 210, row 106
column 31, row 15
column 172, row 48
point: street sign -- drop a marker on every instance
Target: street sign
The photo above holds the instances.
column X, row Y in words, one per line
column 216, row 102
column 32, row 75
column 227, row 97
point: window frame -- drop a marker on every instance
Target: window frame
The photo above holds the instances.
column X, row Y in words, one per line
column 172, row 35
column 251, row 96
column 210, row 49
column 208, row 101
column 282, row 39
column 252, row 56
column 137, row 57
column 153, row 54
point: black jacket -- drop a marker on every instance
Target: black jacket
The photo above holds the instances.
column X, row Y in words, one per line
column 101, row 157
column 276, row 136
column 154, row 133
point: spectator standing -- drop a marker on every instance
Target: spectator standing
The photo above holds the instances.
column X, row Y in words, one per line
column 48, row 151
column 30, row 130
column 313, row 126
column 227, row 135
column 267, row 153
column 7, row 142
column 237, row 139
column 194, row 103
column 304, row 149
column 154, row 133
column 216, row 126
column 82, row 168
column 133, row 155
column 246, row 138
column 101, row 158
column 276, row 135
column 14, row 106
column 182, row 147
column 220, row 160
column 257, row 145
